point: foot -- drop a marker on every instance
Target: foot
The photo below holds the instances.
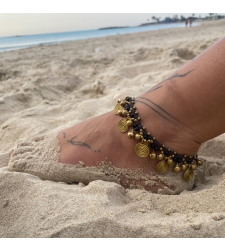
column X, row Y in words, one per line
column 96, row 149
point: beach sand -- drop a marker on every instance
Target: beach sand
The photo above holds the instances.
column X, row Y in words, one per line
column 47, row 88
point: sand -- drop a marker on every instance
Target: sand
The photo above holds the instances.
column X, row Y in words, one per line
column 50, row 87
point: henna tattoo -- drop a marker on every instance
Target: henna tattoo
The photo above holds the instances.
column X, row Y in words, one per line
column 174, row 76
column 170, row 115
column 79, row 143
column 64, row 135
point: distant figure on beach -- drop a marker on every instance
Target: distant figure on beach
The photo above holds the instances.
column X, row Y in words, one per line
column 190, row 22
column 186, row 22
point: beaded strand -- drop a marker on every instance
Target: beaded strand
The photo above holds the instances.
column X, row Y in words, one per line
column 166, row 156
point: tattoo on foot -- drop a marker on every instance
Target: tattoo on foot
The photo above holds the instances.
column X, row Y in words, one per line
column 176, row 75
column 79, row 143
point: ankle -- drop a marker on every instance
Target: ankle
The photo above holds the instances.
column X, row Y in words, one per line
column 165, row 127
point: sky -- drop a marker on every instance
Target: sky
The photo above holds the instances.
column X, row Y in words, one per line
column 26, row 24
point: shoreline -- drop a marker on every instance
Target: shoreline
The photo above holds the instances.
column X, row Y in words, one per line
column 6, row 47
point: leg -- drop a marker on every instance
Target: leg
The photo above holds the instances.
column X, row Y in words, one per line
column 180, row 112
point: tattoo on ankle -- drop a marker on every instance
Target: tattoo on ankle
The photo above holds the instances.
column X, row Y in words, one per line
column 151, row 90
column 176, row 75
column 152, row 109
column 79, row 143
column 167, row 116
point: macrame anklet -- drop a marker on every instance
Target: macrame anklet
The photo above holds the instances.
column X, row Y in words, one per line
column 166, row 156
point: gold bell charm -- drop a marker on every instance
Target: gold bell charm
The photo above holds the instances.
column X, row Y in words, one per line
column 199, row 163
column 129, row 123
column 130, row 135
column 153, row 155
column 177, row 168
column 183, row 167
column 125, row 112
column 137, row 137
column 169, row 161
column 193, row 167
column 120, row 112
column 160, row 157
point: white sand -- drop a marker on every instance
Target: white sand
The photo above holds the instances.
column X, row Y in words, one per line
column 52, row 87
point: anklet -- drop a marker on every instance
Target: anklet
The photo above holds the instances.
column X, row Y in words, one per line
column 166, row 156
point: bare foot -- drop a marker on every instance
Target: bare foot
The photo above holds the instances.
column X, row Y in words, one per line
column 99, row 139
column 84, row 146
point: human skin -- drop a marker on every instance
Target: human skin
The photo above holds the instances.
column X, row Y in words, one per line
column 183, row 111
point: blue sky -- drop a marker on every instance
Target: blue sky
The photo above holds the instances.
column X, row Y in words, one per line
column 24, row 24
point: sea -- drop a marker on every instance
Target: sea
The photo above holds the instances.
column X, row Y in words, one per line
column 18, row 42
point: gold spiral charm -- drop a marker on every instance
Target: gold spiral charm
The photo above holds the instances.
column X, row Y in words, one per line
column 188, row 175
column 117, row 108
column 162, row 166
column 122, row 125
column 142, row 150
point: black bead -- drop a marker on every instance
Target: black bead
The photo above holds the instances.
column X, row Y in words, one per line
column 132, row 115
column 156, row 148
column 136, row 129
column 175, row 159
column 145, row 136
column 128, row 98
column 188, row 161
column 135, row 125
column 166, row 152
column 179, row 160
column 152, row 146
column 127, row 107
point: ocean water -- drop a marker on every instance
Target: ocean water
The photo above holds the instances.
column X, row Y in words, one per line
column 18, row 42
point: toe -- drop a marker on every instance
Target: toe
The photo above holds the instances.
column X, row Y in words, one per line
column 24, row 143
column 38, row 138
column 21, row 150
column 17, row 166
